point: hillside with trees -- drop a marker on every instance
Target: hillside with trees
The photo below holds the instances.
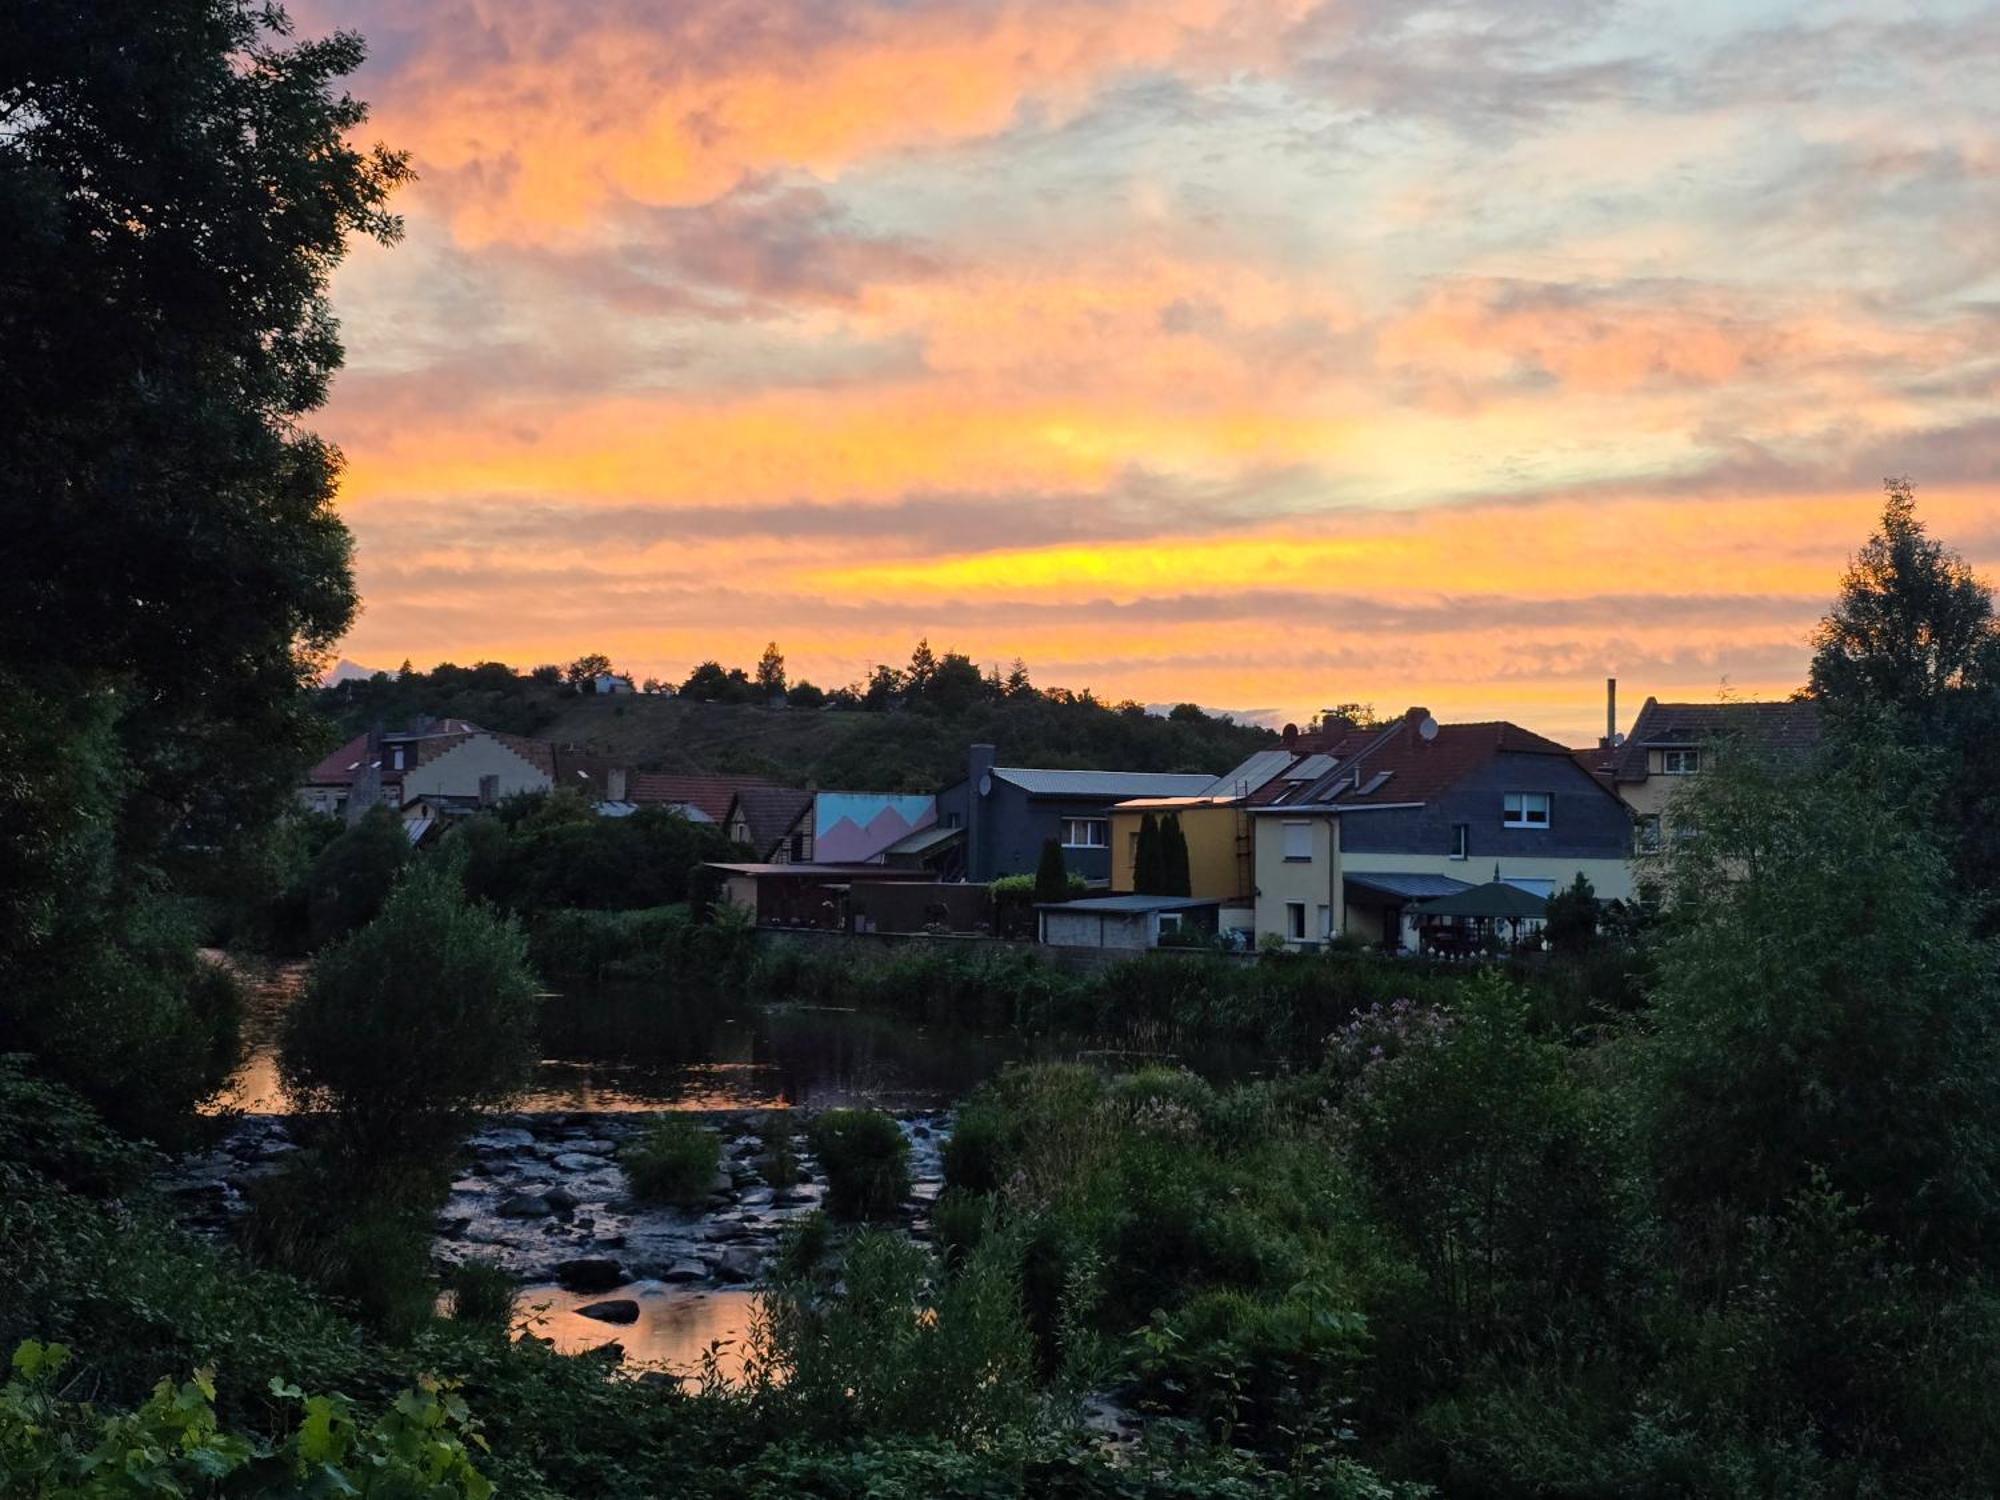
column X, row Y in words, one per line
column 903, row 729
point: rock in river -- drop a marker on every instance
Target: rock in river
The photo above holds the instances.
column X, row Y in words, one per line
column 617, row 1310
column 591, row 1273
column 524, row 1206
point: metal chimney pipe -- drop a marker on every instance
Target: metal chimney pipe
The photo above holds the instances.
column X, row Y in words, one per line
column 1611, row 710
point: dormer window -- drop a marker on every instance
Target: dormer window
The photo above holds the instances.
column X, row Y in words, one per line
column 1679, row 762
column 1525, row 810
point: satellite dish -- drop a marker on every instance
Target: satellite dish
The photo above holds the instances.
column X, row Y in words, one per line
column 986, row 784
column 1428, row 728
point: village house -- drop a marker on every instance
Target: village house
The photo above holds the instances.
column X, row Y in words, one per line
column 1671, row 742
column 1009, row 812
column 1417, row 811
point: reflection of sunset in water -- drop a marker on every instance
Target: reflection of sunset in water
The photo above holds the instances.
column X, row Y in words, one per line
column 674, row 1329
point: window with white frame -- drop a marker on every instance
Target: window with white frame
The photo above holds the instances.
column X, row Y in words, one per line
column 1461, row 840
column 1086, row 833
column 1525, row 809
column 1295, row 921
column 1680, row 762
column 1298, row 844
column 1170, row 921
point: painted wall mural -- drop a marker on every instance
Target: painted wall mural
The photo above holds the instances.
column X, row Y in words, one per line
column 856, row 827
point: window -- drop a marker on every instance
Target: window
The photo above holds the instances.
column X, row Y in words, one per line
column 1086, row 833
column 1647, row 835
column 1680, row 762
column 397, row 761
column 1298, row 843
column 1170, row 921
column 798, row 848
column 1461, row 840
column 1326, row 921
column 1295, row 921
column 1525, row 809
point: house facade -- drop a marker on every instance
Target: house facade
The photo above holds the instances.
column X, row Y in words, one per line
column 1672, row 742
column 1009, row 812
column 1422, row 810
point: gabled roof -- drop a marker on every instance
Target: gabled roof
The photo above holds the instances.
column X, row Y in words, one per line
column 1774, row 726
column 1401, row 766
column 351, row 759
column 1110, row 786
column 1254, row 771
column 709, row 795
column 771, row 812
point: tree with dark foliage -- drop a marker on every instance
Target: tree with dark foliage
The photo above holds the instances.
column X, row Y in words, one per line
column 176, row 185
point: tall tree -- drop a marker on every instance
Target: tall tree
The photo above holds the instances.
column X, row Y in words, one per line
column 1175, row 877
column 1148, row 868
column 176, row 186
column 1913, row 642
column 922, row 664
column 771, row 671
column 1913, row 625
column 586, row 669
column 1051, row 874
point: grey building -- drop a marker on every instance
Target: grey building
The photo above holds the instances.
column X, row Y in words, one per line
column 1008, row 812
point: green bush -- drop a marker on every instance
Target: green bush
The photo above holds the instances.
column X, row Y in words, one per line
column 867, row 1163
column 175, row 1444
column 674, row 1162
column 482, row 1293
column 973, row 1153
column 406, row 1026
column 352, row 876
column 778, row 1163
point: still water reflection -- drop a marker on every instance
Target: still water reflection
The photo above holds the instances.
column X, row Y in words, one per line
column 674, row 1329
column 642, row 1050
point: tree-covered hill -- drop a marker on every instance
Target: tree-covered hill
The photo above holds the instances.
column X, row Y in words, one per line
column 908, row 733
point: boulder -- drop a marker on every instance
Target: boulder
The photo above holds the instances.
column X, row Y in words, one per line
column 524, row 1206
column 501, row 1138
column 737, row 1265
column 561, row 1199
column 591, row 1273
column 617, row 1310
column 576, row 1161
column 683, row 1271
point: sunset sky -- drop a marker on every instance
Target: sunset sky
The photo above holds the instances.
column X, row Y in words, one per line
column 1268, row 353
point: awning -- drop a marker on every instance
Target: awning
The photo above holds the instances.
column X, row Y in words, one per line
column 416, row 828
column 1495, row 899
column 1402, row 886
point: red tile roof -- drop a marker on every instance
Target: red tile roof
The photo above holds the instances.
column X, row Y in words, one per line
column 1400, row 765
column 709, row 794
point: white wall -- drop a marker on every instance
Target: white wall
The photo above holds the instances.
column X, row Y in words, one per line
column 1089, row 929
column 458, row 771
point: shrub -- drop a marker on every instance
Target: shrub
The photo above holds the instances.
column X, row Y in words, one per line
column 404, row 1027
column 482, row 1293
column 866, row 1159
column 777, row 1163
column 973, row 1153
column 174, row 1444
column 350, row 879
column 674, row 1162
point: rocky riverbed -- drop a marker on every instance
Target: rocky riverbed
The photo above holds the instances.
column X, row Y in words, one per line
column 542, row 1195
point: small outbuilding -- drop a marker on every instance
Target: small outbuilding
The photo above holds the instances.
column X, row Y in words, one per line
column 1124, row 921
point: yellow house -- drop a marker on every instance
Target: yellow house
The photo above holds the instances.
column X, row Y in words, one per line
column 1218, row 839
column 1428, row 810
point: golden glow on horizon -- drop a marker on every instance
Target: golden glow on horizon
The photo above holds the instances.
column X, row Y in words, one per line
column 1226, row 350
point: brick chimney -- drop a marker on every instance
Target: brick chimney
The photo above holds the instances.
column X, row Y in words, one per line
column 1610, row 712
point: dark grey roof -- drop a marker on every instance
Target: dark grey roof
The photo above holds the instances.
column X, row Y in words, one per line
column 1496, row 898
column 1133, row 904
column 1774, row 726
column 925, row 839
column 1407, row 886
column 771, row 812
column 1111, row 785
